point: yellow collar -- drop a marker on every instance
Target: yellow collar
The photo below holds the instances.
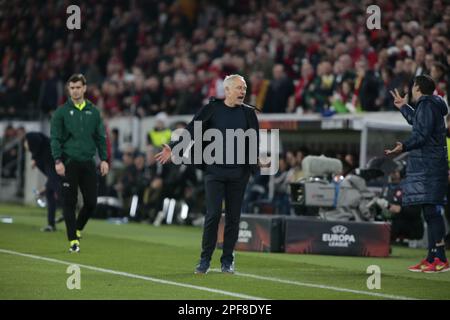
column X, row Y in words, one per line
column 80, row 106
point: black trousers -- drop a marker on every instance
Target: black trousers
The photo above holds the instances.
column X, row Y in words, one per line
column 83, row 175
column 433, row 215
column 220, row 184
column 408, row 223
column 52, row 194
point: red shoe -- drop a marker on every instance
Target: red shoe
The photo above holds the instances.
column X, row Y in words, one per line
column 437, row 266
column 420, row 266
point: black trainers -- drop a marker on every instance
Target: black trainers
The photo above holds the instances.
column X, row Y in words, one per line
column 202, row 267
column 74, row 246
column 48, row 229
column 228, row 267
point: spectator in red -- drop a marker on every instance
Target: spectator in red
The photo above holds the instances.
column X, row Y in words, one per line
column 366, row 51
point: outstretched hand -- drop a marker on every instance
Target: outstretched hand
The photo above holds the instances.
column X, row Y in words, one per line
column 398, row 149
column 164, row 156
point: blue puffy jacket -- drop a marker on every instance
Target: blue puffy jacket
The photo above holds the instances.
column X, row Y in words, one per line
column 427, row 167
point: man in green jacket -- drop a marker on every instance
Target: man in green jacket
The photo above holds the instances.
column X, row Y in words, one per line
column 77, row 131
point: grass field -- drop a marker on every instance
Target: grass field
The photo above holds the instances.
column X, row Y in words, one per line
column 140, row 261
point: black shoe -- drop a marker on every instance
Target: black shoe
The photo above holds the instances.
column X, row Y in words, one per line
column 48, row 229
column 228, row 267
column 74, row 246
column 202, row 267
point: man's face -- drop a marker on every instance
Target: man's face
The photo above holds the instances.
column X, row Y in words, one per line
column 76, row 90
column 420, row 55
column 235, row 92
column 277, row 72
column 429, row 59
column 435, row 73
column 361, row 68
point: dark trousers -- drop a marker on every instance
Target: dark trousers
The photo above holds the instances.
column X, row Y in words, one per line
column 223, row 184
column 83, row 175
column 407, row 224
column 432, row 214
column 52, row 194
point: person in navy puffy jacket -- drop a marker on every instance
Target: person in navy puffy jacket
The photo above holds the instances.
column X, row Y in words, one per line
column 427, row 167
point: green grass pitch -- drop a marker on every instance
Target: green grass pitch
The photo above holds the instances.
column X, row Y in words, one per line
column 140, row 261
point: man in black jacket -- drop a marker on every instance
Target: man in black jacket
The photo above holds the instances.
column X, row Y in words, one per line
column 41, row 157
column 224, row 179
column 427, row 167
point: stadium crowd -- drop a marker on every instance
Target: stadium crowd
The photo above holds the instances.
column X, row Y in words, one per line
column 143, row 57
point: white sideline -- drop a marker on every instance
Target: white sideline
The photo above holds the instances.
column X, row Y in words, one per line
column 135, row 276
column 319, row 286
column 227, row 293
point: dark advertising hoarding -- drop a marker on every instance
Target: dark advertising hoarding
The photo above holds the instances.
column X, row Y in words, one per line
column 261, row 233
column 309, row 235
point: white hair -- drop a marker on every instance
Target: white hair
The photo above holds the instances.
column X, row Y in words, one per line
column 228, row 79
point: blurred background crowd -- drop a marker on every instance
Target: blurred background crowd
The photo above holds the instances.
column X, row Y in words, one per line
column 158, row 58
column 141, row 57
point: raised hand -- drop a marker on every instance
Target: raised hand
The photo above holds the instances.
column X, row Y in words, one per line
column 399, row 101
